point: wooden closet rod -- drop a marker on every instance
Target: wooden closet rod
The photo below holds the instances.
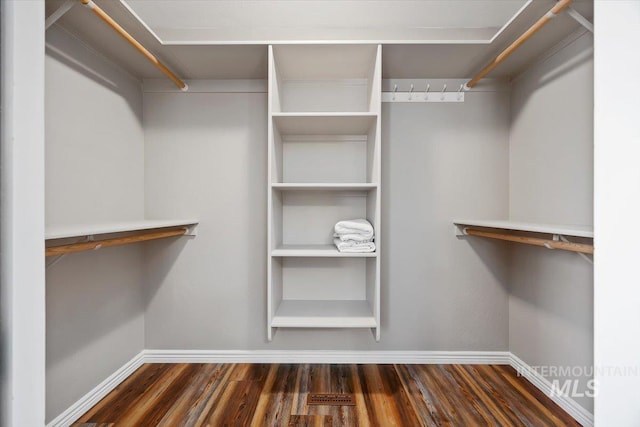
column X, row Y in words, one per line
column 551, row 244
column 555, row 10
column 118, row 241
column 128, row 37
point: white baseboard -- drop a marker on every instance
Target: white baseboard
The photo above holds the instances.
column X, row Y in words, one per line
column 326, row 356
column 85, row 403
column 580, row 414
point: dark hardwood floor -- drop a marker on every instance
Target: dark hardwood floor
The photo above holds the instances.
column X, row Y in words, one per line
column 276, row 395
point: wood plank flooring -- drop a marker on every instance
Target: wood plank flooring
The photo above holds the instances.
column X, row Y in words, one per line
column 276, row 395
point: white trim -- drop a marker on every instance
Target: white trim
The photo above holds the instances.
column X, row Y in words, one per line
column 86, row 402
column 569, row 405
column 22, row 213
column 326, row 356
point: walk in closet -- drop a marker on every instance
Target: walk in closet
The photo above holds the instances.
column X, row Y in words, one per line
column 199, row 154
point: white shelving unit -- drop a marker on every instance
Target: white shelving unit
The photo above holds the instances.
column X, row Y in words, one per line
column 324, row 166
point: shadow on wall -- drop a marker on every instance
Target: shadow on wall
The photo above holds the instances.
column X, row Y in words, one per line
column 159, row 258
column 576, row 54
column 91, row 295
column 63, row 48
column 559, row 283
column 489, row 252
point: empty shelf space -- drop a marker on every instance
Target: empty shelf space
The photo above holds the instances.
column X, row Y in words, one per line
column 564, row 230
column 325, row 62
column 81, row 230
column 324, row 314
column 324, row 186
column 320, row 251
column 324, row 123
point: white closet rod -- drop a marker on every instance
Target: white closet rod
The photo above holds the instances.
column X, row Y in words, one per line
column 128, row 37
column 555, row 10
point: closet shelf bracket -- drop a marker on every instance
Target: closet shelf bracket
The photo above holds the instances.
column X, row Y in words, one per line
column 59, row 13
column 135, row 43
column 555, row 10
column 584, row 256
column 580, row 19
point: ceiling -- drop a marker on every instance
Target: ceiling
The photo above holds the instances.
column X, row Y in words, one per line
column 226, row 39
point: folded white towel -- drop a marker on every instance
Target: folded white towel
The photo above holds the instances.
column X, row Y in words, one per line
column 355, row 237
column 360, row 227
column 352, row 246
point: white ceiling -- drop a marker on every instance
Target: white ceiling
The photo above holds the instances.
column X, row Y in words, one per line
column 231, row 58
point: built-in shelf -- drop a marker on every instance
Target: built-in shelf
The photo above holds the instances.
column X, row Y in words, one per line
column 563, row 230
column 324, row 123
column 65, row 231
column 324, row 186
column 324, row 167
column 323, row 314
column 319, row 251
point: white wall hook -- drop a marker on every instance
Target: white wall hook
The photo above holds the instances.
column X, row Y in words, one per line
column 460, row 91
column 412, row 92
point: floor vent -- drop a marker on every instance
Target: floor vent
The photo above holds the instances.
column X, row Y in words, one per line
column 331, row 399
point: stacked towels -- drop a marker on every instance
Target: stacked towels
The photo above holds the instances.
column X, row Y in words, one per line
column 354, row 235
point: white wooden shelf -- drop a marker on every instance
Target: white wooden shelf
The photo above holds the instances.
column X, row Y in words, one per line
column 319, row 251
column 324, row 123
column 563, row 230
column 65, row 231
column 323, row 314
column 324, row 167
column 324, row 186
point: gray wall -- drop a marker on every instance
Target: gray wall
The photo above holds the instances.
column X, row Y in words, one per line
column 551, row 181
column 205, row 157
column 94, row 173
